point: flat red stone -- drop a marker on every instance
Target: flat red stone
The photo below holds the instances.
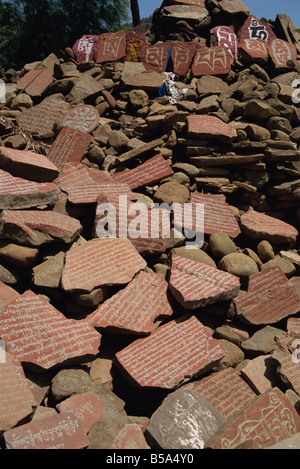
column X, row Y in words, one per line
column 16, row 399
column 144, row 228
column 69, row 146
column 86, row 406
column 182, row 56
column 270, row 298
column 84, row 118
column 134, row 44
column 135, row 308
column 153, row 170
column 259, row 226
column 85, row 48
column 41, row 118
column 19, row 193
column 270, row 418
column 283, row 54
column 83, row 271
column 155, row 57
column 40, row 336
column 28, row 165
column 196, row 285
column 62, row 431
column 260, row 373
column 254, row 49
column 36, row 81
column 211, row 127
column 257, row 30
column 112, row 48
column 172, row 354
column 224, row 36
column 218, row 216
column 7, row 294
column 35, row 227
column 211, row 61
column 225, row 390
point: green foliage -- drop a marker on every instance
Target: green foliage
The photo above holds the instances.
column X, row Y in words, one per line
column 31, row 29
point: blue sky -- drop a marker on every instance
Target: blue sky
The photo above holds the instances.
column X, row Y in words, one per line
column 259, row 8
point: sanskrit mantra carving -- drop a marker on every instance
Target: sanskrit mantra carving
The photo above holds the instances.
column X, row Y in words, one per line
column 258, row 30
column 86, row 45
column 281, row 51
column 212, row 58
column 112, row 46
column 229, row 41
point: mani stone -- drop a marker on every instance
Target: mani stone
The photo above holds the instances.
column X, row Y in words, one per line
column 69, row 146
column 86, row 406
column 85, row 48
column 254, row 50
column 62, row 431
column 155, row 57
column 269, row 419
column 288, row 369
column 84, row 118
column 260, row 373
column 27, row 165
column 39, row 335
column 153, row 170
column 100, row 262
column 259, row 226
column 112, row 48
column 33, row 227
column 7, row 294
column 211, row 61
column 257, row 30
column 36, row 81
column 174, row 353
column 269, row 299
column 224, row 36
column 225, row 390
column 131, row 436
column 184, row 420
column 209, row 127
column 16, row 399
column 18, row 193
column 41, row 118
column 218, row 216
column 196, row 285
column 136, row 308
column 283, row 54
column 182, row 56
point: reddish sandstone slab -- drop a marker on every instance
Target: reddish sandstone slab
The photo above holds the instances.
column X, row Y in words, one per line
column 118, row 217
column 196, row 285
column 211, row 127
column 257, row 30
column 85, row 48
column 112, row 48
column 89, row 194
column 7, row 294
column 69, row 146
column 224, row 36
column 62, row 431
column 172, row 354
column 39, row 335
column 41, row 118
column 28, row 165
column 16, row 399
column 84, row 271
column 184, row 421
column 259, row 226
column 155, row 57
column 84, row 118
column 34, row 227
column 86, row 406
column 36, row 81
column 211, row 61
column 254, row 50
column 18, row 193
column 79, row 175
column 289, row 366
column 225, row 390
column 218, row 216
column 134, row 44
column 151, row 171
column 270, row 298
column 269, row 419
column 260, row 373
column 182, row 56
column 135, row 308
column 283, row 54
column 130, row 437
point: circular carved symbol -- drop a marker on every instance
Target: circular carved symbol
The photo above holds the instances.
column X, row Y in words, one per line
column 84, row 118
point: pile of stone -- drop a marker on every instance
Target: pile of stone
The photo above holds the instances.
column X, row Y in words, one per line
column 159, row 340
